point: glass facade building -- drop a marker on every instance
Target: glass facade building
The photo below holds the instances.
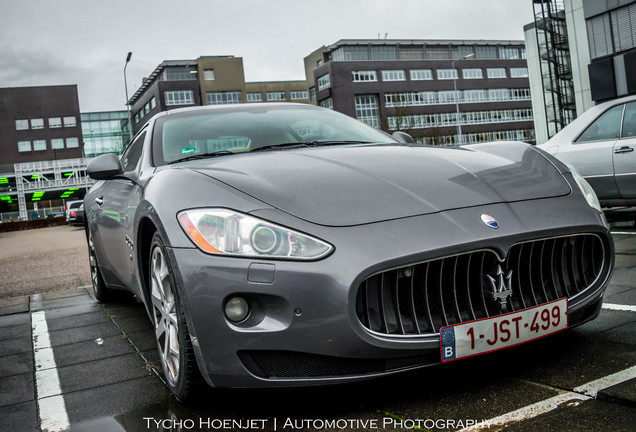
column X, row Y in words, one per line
column 105, row 132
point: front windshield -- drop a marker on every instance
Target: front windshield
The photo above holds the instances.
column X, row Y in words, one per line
column 197, row 133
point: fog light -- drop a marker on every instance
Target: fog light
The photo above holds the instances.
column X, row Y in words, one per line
column 237, row 309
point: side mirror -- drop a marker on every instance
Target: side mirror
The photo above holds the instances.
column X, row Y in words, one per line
column 403, row 137
column 104, row 167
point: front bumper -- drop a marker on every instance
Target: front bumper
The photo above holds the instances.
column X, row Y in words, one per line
column 303, row 328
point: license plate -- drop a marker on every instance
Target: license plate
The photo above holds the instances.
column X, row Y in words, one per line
column 492, row 334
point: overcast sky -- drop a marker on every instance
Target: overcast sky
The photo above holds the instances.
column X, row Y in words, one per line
column 85, row 42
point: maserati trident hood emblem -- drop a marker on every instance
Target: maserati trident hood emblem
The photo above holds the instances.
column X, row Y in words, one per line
column 490, row 221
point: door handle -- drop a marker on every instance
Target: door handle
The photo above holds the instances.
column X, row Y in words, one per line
column 624, row 149
column 99, row 201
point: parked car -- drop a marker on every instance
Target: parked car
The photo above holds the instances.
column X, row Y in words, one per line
column 72, row 205
column 285, row 245
column 76, row 215
column 600, row 145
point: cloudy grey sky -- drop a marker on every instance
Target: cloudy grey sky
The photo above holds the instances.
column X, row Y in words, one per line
column 85, row 42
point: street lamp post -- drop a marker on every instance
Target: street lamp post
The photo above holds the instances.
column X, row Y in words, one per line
column 128, row 104
column 460, row 138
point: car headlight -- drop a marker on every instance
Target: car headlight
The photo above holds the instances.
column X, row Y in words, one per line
column 587, row 191
column 222, row 231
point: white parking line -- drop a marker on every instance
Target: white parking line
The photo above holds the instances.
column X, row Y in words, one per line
column 53, row 415
column 582, row 393
column 593, row 387
column 619, row 307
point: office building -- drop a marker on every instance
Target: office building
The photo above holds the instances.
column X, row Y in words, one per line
column 580, row 52
column 210, row 80
column 41, row 145
column 439, row 91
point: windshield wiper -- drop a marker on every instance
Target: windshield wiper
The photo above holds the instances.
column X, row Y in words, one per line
column 203, row 156
column 305, row 144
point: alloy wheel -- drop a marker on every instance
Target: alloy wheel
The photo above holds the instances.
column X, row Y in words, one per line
column 165, row 319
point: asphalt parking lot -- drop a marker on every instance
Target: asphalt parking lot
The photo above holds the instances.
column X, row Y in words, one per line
column 70, row 363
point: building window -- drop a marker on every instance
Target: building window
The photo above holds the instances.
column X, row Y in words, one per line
column 423, row 121
column 147, row 108
column 486, row 52
column 55, row 122
column 70, row 121
column 255, row 97
column 24, row 146
column 179, row 97
column 312, row 93
column 298, row 95
column 179, row 74
column 364, row 76
column 612, row 32
column 383, row 52
column 473, row 73
column 37, row 123
column 509, row 53
column 475, row 96
column 323, row 82
column 519, row 72
column 21, row 124
column 421, row 74
column 450, row 96
column 327, row 103
column 72, row 143
column 276, row 96
column 208, row 74
column 153, row 103
column 624, row 27
column 446, row 74
column 437, row 53
column 496, row 72
column 367, row 110
column 393, row 75
column 224, row 98
column 57, row 143
column 39, row 145
column 447, row 96
column 411, row 52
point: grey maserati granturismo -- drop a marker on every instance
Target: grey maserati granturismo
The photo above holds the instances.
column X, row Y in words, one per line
column 290, row 245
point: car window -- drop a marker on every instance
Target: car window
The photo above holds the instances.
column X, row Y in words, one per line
column 629, row 120
column 606, row 127
column 131, row 156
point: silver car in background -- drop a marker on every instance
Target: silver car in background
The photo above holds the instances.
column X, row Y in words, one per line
column 600, row 145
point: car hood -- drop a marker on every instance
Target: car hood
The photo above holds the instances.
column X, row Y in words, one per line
column 352, row 185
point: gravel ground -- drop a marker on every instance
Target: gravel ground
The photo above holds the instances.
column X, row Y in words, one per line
column 43, row 260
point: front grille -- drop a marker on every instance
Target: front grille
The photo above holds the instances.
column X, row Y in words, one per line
column 422, row 298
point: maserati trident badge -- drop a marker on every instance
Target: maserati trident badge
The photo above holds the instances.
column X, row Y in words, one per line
column 501, row 286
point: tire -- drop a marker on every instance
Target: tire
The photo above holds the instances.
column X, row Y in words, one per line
column 171, row 330
column 102, row 293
